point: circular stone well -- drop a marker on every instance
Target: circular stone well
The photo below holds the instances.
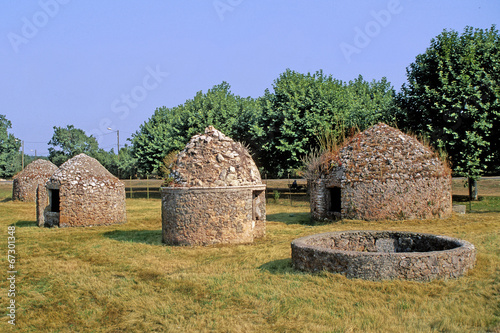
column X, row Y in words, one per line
column 384, row 255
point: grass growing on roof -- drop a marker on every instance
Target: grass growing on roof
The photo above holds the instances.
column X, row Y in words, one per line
column 121, row 278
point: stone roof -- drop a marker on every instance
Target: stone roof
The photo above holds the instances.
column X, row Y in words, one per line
column 84, row 169
column 382, row 152
column 213, row 159
column 39, row 169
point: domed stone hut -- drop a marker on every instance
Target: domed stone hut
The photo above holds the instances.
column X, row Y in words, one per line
column 381, row 173
column 81, row 193
column 217, row 195
column 26, row 182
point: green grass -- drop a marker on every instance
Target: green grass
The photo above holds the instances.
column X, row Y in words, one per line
column 122, row 279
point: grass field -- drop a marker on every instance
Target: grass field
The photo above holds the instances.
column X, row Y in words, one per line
column 122, row 279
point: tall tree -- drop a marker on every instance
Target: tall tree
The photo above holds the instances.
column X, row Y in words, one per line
column 170, row 129
column 293, row 114
column 9, row 149
column 302, row 107
column 70, row 141
column 453, row 97
column 369, row 103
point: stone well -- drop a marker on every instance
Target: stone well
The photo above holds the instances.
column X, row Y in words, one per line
column 384, row 255
column 216, row 197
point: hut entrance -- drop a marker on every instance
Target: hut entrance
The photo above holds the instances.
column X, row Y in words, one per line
column 54, row 200
column 256, row 213
column 335, row 204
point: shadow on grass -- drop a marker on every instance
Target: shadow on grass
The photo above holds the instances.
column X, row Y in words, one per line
column 25, row 224
column 484, row 204
column 7, row 199
column 295, row 218
column 281, row 266
column 151, row 237
column 464, row 198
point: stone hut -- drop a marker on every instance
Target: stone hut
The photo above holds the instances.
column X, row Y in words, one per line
column 81, row 193
column 217, row 195
column 381, row 173
column 26, row 182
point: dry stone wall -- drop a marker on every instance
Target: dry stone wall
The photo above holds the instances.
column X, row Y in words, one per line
column 217, row 195
column 88, row 195
column 383, row 174
column 213, row 159
column 26, row 182
column 205, row 216
column 382, row 255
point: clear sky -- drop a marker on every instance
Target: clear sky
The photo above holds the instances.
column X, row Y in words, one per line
column 99, row 64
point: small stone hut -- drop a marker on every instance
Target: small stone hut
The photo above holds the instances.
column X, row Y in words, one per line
column 81, row 193
column 381, row 173
column 25, row 183
column 217, row 195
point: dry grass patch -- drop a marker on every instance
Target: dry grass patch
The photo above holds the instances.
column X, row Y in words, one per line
column 122, row 279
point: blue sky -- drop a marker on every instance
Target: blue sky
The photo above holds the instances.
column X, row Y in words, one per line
column 100, row 64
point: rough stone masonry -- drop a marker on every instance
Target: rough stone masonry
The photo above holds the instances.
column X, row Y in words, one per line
column 25, row 183
column 217, row 195
column 81, row 193
column 382, row 173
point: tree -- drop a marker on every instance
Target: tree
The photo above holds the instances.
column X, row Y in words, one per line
column 304, row 107
column 9, row 149
column 452, row 97
column 169, row 129
column 70, row 141
column 127, row 164
column 369, row 103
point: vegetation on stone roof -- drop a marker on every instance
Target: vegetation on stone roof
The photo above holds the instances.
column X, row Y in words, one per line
column 380, row 152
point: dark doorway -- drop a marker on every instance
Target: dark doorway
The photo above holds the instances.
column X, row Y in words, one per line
column 54, row 200
column 335, row 200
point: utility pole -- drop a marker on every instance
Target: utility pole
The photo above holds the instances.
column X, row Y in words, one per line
column 22, row 144
column 117, row 140
column 117, row 147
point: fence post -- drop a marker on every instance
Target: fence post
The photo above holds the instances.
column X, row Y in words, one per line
column 265, row 192
column 131, row 192
column 289, row 190
column 147, row 186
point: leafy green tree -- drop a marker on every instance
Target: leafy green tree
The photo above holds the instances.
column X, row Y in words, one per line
column 127, row 163
column 453, row 97
column 369, row 103
column 303, row 107
column 292, row 116
column 9, row 150
column 170, row 129
column 70, row 141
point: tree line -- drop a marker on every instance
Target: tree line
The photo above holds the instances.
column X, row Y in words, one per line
column 451, row 97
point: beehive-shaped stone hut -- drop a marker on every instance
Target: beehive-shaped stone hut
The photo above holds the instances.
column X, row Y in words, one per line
column 81, row 193
column 382, row 173
column 217, row 195
column 26, row 182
